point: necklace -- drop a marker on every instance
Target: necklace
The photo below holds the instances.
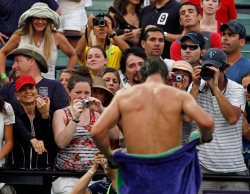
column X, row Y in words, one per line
column 39, row 42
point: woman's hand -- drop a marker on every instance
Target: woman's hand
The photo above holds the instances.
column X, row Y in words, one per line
column 43, row 107
column 96, row 104
column 76, row 109
column 38, row 145
column 90, row 21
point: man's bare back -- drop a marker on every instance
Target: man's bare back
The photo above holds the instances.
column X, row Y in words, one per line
column 151, row 116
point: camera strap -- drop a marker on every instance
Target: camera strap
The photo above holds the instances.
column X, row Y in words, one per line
column 110, row 47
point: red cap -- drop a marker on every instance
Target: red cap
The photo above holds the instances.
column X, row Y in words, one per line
column 21, row 81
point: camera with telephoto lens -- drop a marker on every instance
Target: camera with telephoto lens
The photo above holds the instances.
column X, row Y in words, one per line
column 176, row 77
column 86, row 103
column 206, row 72
column 248, row 88
column 99, row 20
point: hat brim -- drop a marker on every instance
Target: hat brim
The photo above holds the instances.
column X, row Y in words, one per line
column 185, row 37
column 109, row 94
column 216, row 64
column 41, row 61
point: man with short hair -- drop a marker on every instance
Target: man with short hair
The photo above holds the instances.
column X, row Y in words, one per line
column 151, row 127
column 28, row 60
column 192, row 48
column 190, row 19
column 131, row 62
column 233, row 39
column 163, row 14
column 224, row 99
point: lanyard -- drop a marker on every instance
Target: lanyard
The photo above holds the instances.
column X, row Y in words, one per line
column 108, row 191
column 110, row 47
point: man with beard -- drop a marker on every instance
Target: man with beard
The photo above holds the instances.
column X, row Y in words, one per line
column 233, row 39
column 131, row 62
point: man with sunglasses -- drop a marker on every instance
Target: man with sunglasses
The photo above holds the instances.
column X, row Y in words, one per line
column 224, row 99
column 192, row 48
column 190, row 19
column 233, row 39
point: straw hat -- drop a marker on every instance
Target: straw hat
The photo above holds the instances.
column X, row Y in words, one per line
column 99, row 83
column 40, row 10
column 182, row 65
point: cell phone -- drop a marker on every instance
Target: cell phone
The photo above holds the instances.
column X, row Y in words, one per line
column 43, row 93
column 176, row 77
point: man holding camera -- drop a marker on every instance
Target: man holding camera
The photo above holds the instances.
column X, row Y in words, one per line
column 224, row 99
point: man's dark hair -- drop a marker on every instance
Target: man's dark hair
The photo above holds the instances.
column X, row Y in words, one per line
column 153, row 66
column 136, row 51
column 245, row 75
column 153, row 29
column 189, row 3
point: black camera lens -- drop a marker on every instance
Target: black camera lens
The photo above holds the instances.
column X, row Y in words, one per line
column 95, row 22
column 248, row 88
column 102, row 22
column 206, row 73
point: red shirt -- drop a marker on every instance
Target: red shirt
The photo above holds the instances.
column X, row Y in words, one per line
column 227, row 10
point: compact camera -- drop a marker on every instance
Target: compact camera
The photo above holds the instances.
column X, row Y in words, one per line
column 86, row 103
column 176, row 77
column 206, row 72
column 99, row 20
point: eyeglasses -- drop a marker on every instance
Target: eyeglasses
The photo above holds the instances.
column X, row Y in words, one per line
column 190, row 46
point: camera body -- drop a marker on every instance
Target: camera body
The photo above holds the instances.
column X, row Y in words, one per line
column 86, row 103
column 206, row 72
column 99, row 20
column 176, row 77
column 248, row 88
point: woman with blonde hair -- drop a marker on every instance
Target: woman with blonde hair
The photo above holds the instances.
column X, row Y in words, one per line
column 38, row 29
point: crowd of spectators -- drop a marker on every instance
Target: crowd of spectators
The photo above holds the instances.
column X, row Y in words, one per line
column 46, row 123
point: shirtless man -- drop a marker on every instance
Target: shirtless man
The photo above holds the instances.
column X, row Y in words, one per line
column 151, row 114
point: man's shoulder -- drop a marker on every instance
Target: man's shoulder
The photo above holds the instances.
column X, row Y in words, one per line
column 234, row 85
column 49, row 82
column 244, row 61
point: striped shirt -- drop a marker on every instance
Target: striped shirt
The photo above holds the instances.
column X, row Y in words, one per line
column 224, row 153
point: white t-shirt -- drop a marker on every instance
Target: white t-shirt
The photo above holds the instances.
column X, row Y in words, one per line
column 7, row 119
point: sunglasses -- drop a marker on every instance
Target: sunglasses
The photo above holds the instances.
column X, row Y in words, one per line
column 190, row 46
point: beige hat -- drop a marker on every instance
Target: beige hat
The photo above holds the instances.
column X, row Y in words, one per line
column 40, row 10
column 33, row 52
column 99, row 83
column 183, row 65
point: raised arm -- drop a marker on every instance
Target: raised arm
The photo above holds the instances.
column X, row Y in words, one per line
column 10, row 45
column 64, row 45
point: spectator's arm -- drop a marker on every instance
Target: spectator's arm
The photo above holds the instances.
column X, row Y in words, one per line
column 8, row 47
column 9, row 141
column 245, row 127
column 172, row 37
column 196, row 82
column 82, row 43
column 2, row 36
column 65, row 46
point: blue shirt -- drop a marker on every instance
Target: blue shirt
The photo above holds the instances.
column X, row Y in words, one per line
column 237, row 70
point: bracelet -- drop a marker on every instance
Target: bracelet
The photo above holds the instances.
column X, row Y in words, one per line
column 112, row 35
column 91, row 172
column 75, row 120
column 3, row 76
column 207, row 141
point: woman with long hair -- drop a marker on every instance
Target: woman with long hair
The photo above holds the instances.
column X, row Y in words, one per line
column 38, row 25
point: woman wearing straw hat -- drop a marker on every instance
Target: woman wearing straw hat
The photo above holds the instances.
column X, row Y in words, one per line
column 38, row 23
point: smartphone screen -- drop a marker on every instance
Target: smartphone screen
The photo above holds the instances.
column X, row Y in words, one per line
column 43, row 93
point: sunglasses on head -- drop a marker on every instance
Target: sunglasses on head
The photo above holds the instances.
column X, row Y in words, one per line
column 190, row 46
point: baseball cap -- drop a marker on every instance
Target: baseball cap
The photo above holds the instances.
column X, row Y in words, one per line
column 182, row 65
column 214, row 56
column 194, row 36
column 23, row 80
column 33, row 52
column 236, row 28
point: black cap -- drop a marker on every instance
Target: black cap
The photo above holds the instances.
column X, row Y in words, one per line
column 236, row 28
column 214, row 56
column 194, row 36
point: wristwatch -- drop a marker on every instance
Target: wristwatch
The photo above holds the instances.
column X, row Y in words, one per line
column 165, row 34
column 112, row 35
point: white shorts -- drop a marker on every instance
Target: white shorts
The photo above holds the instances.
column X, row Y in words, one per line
column 73, row 20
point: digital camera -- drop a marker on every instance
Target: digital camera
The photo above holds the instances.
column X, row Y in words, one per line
column 176, row 77
column 206, row 72
column 99, row 20
column 86, row 103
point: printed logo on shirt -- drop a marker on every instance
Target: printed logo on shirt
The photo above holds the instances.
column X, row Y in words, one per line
column 162, row 19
